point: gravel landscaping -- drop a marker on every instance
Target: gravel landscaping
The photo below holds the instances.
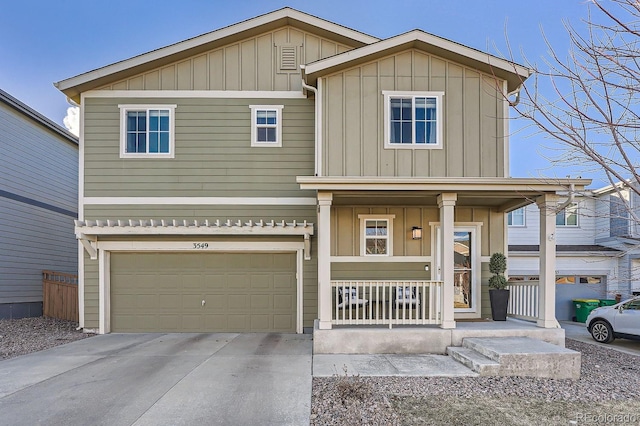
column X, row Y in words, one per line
column 26, row 335
column 607, row 391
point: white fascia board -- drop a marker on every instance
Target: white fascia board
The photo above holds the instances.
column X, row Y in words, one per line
column 213, row 94
column 212, row 246
column 209, row 201
column 418, row 36
column 211, row 37
column 439, row 184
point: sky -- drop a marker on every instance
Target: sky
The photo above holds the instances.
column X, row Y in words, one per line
column 45, row 41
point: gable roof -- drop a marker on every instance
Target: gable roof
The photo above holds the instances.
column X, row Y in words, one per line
column 73, row 86
column 513, row 73
column 37, row 117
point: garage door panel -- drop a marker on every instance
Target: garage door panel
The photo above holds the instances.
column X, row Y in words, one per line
column 284, row 282
column 261, row 281
column 261, row 322
column 238, row 302
column 189, row 282
column 282, row 322
column 283, row 302
column 215, row 281
column 260, row 302
column 164, row 292
column 283, row 261
column 238, row 322
column 238, row 281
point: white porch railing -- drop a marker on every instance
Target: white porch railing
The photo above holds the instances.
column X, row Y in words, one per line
column 523, row 299
column 386, row 302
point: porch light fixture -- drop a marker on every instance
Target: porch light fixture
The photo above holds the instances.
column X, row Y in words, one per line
column 416, row 233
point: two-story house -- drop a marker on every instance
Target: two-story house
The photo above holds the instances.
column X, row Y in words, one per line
column 596, row 247
column 286, row 172
column 38, row 204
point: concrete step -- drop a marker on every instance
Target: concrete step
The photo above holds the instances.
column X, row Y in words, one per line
column 474, row 360
column 527, row 357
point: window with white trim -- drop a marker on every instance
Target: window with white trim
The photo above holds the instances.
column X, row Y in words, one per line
column 568, row 216
column 377, row 235
column 147, row 131
column 266, row 125
column 516, row 217
column 413, row 119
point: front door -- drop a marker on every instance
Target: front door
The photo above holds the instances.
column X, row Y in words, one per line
column 466, row 272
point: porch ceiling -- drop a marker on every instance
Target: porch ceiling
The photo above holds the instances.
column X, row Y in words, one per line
column 503, row 194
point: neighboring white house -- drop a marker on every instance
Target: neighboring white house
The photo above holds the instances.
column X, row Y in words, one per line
column 38, row 203
column 596, row 247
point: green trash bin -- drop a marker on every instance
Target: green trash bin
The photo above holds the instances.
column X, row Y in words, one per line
column 583, row 307
column 607, row 302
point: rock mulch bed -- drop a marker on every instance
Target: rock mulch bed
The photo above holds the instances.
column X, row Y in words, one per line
column 609, row 385
column 26, row 335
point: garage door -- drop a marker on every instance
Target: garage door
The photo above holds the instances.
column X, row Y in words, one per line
column 203, row 292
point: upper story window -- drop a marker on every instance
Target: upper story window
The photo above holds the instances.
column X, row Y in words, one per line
column 516, row 217
column 568, row 216
column 147, row 131
column 377, row 237
column 413, row 119
column 266, row 125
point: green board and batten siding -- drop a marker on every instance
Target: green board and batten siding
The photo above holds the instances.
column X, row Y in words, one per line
column 353, row 107
column 213, row 153
column 250, row 64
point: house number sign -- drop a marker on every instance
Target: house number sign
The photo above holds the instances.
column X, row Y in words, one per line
column 200, row 246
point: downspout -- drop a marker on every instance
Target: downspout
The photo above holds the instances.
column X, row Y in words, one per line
column 316, row 124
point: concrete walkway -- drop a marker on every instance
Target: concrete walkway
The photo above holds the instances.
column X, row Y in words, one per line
column 388, row 365
column 162, row 379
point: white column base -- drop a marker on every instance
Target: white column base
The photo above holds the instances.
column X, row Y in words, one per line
column 548, row 323
column 448, row 324
column 324, row 325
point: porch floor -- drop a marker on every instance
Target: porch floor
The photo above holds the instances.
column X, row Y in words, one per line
column 421, row 340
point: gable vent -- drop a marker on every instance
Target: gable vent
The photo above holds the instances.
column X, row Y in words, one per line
column 288, row 58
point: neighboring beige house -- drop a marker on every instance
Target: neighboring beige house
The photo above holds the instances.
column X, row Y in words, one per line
column 287, row 170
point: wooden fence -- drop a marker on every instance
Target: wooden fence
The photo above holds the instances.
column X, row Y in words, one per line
column 60, row 295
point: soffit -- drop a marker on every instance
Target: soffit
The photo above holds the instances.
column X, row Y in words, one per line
column 503, row 194
column 72, row 87
column 511, row 72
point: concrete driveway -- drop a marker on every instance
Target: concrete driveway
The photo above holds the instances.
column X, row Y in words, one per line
column 578, row 331
column 162, row 379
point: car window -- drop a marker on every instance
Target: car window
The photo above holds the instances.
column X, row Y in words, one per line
column 633, row 305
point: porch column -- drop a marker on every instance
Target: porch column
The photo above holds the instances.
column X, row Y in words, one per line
column 446, row 203
column 547, row 288
column 324, row 259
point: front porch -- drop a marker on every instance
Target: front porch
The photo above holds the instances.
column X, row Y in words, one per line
column 429, row 339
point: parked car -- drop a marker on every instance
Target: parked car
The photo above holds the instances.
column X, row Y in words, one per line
column 621, row 320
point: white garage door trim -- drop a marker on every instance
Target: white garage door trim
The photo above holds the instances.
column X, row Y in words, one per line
column 201, row 246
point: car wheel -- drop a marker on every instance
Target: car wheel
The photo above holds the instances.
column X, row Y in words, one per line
column 601, row 332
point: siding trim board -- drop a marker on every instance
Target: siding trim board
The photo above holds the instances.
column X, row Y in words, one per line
column 36, row 203
column 223, row 94
column 214, row 201
column 105, row 249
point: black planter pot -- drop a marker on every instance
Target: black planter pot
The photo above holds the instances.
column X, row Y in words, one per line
column 499, row 302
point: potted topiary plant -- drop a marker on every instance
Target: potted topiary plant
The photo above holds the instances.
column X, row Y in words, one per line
column 498, row 292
